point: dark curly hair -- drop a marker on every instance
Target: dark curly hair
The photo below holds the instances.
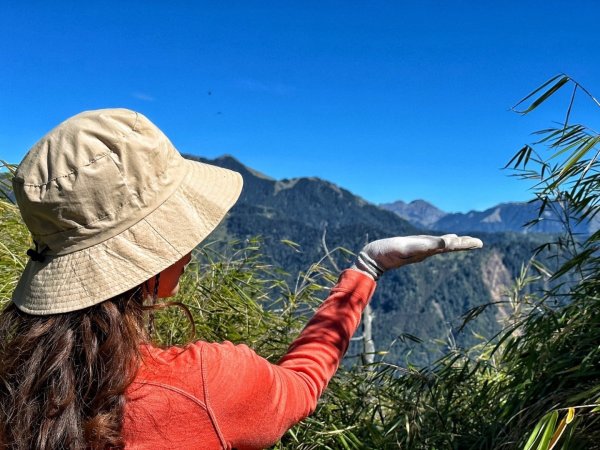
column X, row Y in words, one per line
column 63, row 377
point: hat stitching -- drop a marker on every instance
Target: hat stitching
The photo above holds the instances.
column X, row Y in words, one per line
column 135, row 124
column 82, row 284
column 117, row 287
column 131, row 192
column 162, row 237
column 111, row 213
column 78, row 276
column 122, row 258
column 89, row 163
column 98, row 219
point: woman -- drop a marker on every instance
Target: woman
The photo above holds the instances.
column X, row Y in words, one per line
column 114, row 211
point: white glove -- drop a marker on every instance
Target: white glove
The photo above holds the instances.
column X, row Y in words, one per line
column 378, row 256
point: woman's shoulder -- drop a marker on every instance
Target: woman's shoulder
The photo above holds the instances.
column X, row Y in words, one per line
column 191, row 353
column 157, row 355
column 178, row 367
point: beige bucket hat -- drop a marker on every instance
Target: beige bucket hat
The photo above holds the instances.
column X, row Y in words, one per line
column 110, row 203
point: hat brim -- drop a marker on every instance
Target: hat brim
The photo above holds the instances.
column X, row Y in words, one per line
column 86, row 277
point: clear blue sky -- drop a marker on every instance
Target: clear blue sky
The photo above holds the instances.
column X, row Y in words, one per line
column 391, row 100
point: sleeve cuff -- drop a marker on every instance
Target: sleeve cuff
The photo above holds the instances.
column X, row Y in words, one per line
column 357, row 283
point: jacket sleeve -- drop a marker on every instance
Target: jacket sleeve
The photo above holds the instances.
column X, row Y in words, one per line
column 254, row 402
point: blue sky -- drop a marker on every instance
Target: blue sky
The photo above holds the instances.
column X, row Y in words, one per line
column 391, row 100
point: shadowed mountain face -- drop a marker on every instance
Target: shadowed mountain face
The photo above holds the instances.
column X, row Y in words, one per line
column 310, row 201
column 425, row 300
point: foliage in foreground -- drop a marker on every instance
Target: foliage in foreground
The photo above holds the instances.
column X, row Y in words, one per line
column 479, row 399
column 535, row 386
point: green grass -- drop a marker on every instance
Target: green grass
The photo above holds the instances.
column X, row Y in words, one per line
column 487, row 397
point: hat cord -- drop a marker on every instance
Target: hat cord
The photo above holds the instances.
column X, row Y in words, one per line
column 37, row 255
column 153, row 302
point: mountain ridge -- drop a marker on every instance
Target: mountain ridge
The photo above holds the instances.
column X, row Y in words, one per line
column 426, row 300
column 503, row 217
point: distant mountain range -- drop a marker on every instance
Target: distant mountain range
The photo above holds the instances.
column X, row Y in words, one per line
column 512, row 216
column 425, row 300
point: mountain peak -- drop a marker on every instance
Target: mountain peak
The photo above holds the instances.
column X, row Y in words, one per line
column 507, row 216
column 419, row 212
column 422, row 203
column 230, row 162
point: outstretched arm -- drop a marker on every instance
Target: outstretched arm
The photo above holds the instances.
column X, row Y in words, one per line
column 254, row 401
column 384, row 254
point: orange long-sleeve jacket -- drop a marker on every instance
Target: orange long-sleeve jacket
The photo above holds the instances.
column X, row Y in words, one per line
column 225, row 396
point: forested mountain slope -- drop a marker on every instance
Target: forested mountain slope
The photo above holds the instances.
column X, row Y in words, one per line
column 425, row 300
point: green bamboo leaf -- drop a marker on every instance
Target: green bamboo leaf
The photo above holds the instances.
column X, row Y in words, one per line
column 570, row 415
column 548, row 432
column 583, row 396
column 570, row 432
column 524, row 99
column 585, row 147
column 566, row 420
column 535, row 434
column 294, row 245
column 524, row 153
column 547, row 94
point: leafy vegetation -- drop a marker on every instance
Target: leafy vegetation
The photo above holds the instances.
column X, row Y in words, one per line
column 535, row 385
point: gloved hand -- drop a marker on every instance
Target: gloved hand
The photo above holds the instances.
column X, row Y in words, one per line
column 378, row 256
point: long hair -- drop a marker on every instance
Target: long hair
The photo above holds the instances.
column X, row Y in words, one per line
column 63, row 377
